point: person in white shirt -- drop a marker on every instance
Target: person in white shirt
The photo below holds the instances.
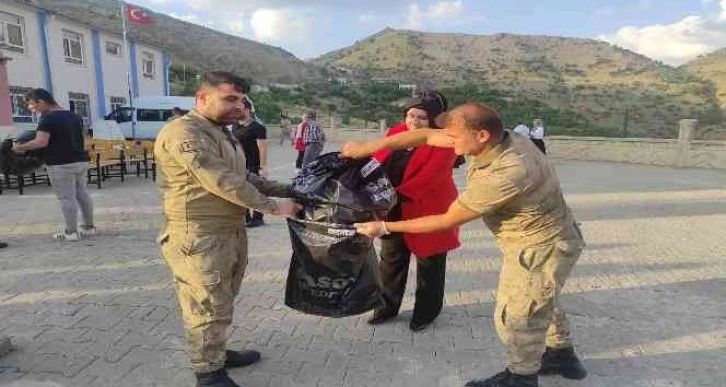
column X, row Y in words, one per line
column 521, row 129
column 537, row 134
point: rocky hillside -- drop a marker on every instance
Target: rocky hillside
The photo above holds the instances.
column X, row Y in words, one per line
column 192, row 44
column 712, row 67
column 614, row 88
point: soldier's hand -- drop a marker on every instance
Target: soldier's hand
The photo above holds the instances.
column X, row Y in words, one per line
column 440, row 139
column 287, row 208
column 355, row 150
column 370, row 229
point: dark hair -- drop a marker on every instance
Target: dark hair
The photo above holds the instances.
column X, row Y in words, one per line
column 311, row 114
column 247, row 103
column 430, row 101
column 176, row 109
column 41, row 95
column 435, row 97
column 216, row 78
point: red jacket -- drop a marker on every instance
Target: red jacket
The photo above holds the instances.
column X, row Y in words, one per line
column 428, row 184
column 299, row 137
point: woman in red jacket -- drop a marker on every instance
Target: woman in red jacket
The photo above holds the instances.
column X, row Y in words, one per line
column 425, row 186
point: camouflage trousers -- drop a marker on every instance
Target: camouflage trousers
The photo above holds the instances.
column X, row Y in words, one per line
column 528, row 314
column 208, row 272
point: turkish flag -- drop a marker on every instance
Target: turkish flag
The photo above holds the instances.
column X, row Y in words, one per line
column 136, row 15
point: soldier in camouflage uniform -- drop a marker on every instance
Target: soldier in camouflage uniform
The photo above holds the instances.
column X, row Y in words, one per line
column 206, row 192
column 514, row 189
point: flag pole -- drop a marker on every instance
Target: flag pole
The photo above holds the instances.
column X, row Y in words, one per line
column 128, row 68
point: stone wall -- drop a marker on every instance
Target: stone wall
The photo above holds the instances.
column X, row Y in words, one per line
column 682, row 152
column 694, row 154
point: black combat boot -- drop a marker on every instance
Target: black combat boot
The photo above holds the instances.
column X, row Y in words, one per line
column 506, row 379
column 216, row 378
column 241, row 358
column 562, row 361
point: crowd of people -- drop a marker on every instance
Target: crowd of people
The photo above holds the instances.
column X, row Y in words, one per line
column 212, row 175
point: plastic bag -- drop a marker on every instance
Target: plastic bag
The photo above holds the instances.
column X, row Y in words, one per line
column 337, row 190
column 333, row 271
column 12, row 163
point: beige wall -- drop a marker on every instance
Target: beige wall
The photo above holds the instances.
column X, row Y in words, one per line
column 155, row 85
column 115, row 71
column 26, row 69
column 71, row 77
column 696, row 154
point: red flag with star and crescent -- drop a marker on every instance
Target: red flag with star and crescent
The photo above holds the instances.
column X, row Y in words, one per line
column 136, row 15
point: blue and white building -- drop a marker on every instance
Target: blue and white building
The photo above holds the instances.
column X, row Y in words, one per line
column 85, row 68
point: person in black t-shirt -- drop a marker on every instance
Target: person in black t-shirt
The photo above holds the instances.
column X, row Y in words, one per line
column 253, row 136
column 60, row 134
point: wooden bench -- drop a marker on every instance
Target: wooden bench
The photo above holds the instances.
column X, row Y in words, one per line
column 148, row 146
column 105, row 164
column 137, row 156
column 19, row 182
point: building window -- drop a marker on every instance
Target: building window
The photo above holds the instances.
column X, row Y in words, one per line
column 12, row 32
column 73, row 47
column 117, row 102
column 148, row 66
column 113, row 49
column 78, row 103
column 19, row 105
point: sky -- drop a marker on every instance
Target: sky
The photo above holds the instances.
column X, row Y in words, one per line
column 672, row 31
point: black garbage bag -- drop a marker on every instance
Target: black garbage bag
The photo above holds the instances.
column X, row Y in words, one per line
column 340, row 190
column 12, row 163
column 333, row 271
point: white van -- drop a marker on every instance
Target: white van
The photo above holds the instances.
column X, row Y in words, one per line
column 149, row 113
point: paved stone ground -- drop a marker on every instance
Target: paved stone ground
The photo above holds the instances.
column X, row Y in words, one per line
column 646, row 300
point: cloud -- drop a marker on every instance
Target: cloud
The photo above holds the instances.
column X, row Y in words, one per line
column 187, row 17
column 414, row 18
column 445, row 9
column 367, row 18
column 199, row 5
column 675, row 43
column 236, row 26
column 191, row 18
column 280, row 25
column 436, row 13
column 721, row 6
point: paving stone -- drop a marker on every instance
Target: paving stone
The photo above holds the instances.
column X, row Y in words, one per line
column 645, row 300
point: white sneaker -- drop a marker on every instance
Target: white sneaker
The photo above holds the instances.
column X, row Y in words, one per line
column 62, row 236
column 87, row 231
